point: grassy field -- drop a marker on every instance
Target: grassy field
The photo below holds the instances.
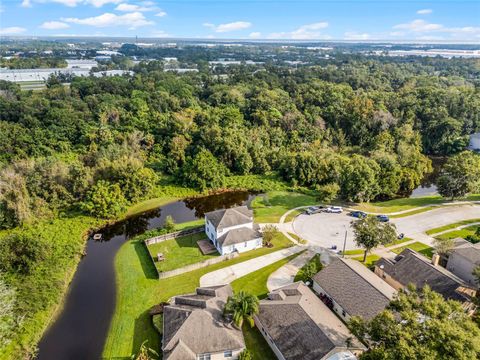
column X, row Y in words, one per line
column 138, row 289
column 256, row 282
column 354, row 252
column 398, row 242
column 257, row 344
column 451, row 226
column 404, row 204
column 301, row 276
column 420, row 247
column 269, row 208
column 41, row 292
column 413, row 212
column 179, row 252
column 462, row 233
column 370, row 261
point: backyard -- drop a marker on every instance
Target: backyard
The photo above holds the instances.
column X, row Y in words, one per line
column 138, row 289
column 179, row 252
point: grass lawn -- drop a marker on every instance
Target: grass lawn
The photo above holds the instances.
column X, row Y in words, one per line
column 370, row 261
column 293, row 215
column 149, row 205
column 418, row 246
column 354, row 252
column 413, row 212
column 269, row 208
column 256, row 282
column 138, row 289
column 403, row 204
column 301, row 276
column 298, row 238
column 451, row 226
column 179, row 252
column 398, row 241
column 256, row 344
column 462, row 233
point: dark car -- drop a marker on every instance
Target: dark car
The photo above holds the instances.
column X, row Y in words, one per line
column 358, row 214
column 383, row 218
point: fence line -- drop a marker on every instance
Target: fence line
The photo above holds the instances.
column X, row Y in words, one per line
column 199, row 265
column 173, row 235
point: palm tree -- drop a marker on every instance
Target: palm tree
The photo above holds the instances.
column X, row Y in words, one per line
column 241, row 306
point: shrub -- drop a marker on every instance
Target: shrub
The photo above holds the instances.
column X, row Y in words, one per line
column 105, row 200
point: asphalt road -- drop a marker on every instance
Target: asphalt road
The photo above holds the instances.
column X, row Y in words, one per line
column 327, row 230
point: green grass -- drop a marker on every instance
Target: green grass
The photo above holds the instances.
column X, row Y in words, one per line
column 354, row 252
column 256, row 344
column 413, row 212
column 462, row 233
column 138, row 289
column 451, row 226
column 298, row 238
column 418, row 246
column 41, row 292
column 403, row 204
column 269, row 208
column 179, row 252
column 149, row 205
column 398, row 242
column 301, row 276
column 369, row 261
column 256, row 282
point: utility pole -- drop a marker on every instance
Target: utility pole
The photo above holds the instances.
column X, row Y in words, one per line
column 344, row 242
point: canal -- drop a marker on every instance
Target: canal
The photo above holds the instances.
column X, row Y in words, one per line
column 81, row 328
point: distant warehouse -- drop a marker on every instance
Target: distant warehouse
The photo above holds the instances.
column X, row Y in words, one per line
column 41, row 75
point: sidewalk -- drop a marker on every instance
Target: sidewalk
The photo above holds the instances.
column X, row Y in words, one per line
column 233, row 272
column 286, row 274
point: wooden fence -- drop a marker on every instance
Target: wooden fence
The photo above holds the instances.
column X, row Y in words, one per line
column 173, row 235
column 199, row 265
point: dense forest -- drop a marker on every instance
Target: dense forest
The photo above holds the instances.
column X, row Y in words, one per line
column 358, row 128
column 35, row 62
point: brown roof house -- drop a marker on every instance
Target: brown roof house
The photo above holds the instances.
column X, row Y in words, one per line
column 351, row 289
column 194, row 327
column 299, row 326
column 463, row 259
column 233, row 230
column 410, row 267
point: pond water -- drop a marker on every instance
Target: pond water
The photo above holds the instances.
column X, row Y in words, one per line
column 427, row 187
column 81, row 328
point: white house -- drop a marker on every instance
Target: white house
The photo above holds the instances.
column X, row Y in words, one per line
column 233, row 230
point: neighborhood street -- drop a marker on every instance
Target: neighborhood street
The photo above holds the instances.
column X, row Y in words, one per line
column 329, row 230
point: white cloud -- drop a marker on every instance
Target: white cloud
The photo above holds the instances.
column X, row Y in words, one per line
column 13, row 30
column 73, row 3
column 26, row 4
column 305, row 32
column 132, row 20
column 161, row 13
column 54, row 25
column 228, row 27
column 255, row 35
column 424, row 11
column 419, row 25
column 352, row 35
column 133, row 7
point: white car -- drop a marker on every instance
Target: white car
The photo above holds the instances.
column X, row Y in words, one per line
column 334, row 210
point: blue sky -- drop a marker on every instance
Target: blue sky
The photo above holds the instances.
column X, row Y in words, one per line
column 243, row 19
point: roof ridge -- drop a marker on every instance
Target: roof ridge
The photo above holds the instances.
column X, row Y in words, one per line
column 438, row 268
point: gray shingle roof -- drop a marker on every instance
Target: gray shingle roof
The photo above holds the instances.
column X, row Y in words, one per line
column 466, row 249
column 239, row 235
column 355, row 288
column 230, row 217
column 410, row 267
column 301, row 326
column 193, row 324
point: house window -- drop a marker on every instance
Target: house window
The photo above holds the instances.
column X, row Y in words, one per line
column 204, row 356
column 227, row 354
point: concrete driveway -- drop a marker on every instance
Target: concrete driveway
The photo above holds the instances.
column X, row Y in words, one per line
column 326, row 230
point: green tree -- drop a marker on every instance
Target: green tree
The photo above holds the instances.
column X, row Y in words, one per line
column 105, row 200
column 245, row 355
column 169, row 224
column 419, row 324
column 269, row 232
column 358, row 181
column 476, row 273
column 370, row 232
column 241, row 307
column 21, row 253
column 443, row 246
column 460, row 175
column 204, row 171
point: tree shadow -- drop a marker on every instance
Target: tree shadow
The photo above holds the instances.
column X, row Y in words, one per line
column 148, row 266
column 145, row 333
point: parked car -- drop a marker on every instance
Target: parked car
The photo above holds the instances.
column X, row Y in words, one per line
column 334, row 209
column 358, row 214
column 383, row 218
column 313, row 210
